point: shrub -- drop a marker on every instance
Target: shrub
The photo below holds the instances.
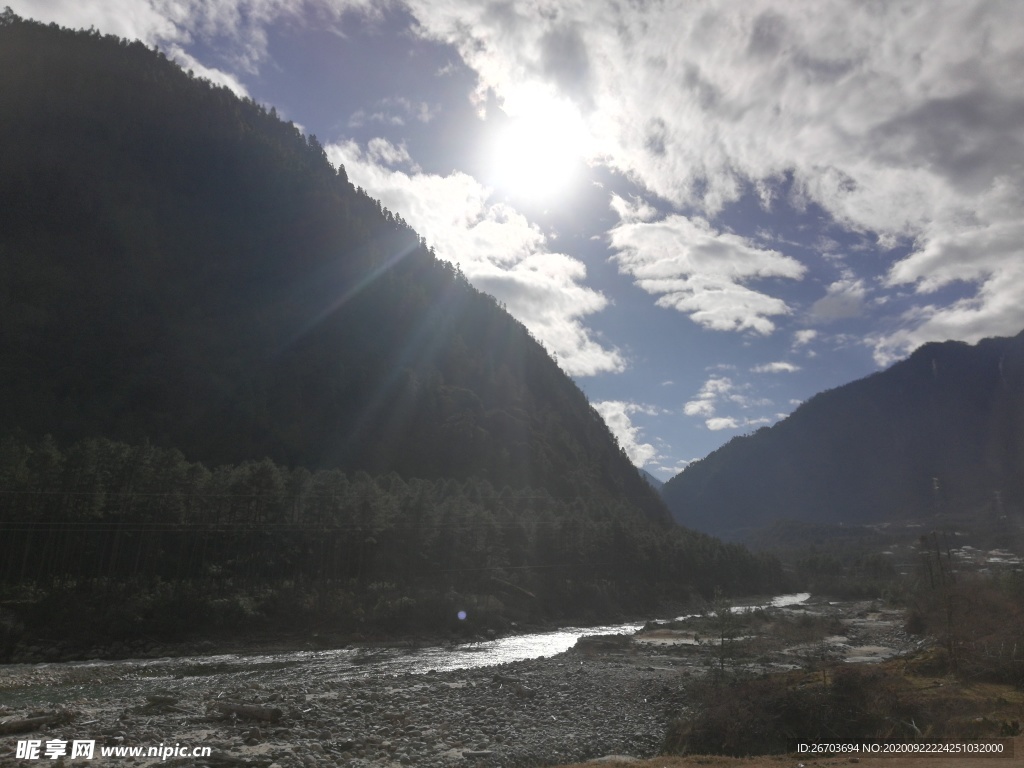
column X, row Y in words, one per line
column 761, row 716
column 980, row 622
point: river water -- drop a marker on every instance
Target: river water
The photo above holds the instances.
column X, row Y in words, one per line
column 35, row 684
column 374, row 661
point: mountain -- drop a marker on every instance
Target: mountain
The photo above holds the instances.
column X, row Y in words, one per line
column 941, row 432
column 654, row 482
column 179, row 267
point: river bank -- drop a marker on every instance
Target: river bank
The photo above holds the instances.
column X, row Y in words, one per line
column 569, row 707
column 598, row 698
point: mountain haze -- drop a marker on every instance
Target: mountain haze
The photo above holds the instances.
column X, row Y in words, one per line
column 183, row 267
column 938, row 433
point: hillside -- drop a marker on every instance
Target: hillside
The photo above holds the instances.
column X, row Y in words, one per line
column 939, row 433
column 180, row 266
column 242, row 400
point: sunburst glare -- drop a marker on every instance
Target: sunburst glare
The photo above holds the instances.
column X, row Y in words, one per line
column 540, row 150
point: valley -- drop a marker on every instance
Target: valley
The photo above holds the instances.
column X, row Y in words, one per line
column 281, row 483
column 608, row 694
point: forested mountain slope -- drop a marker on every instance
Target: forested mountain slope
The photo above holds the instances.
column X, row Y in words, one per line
column 180, row 266
column 941, row 432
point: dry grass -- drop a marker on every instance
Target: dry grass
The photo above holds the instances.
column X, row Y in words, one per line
column 760, row 716
column 967, row 689
column 949, row 711
column 980, row 624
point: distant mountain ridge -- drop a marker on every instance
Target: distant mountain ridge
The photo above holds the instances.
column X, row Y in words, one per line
column 179, row 266
column 939, row 432
column 654, row 482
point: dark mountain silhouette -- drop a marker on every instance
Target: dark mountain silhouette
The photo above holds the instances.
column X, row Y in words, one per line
column 180, row 267
column 652, row 480
column 939, row 433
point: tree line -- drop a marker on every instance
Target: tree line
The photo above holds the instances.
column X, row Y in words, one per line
column 267, row 543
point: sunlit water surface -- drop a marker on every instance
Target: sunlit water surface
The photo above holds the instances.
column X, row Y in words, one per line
column 343, row 663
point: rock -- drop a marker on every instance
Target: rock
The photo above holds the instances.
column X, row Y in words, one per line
column 29, row 724
column 250, row 711
column 161, row 699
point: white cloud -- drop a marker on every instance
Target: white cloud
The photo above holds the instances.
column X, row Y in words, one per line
column 677, row 467
column 718, row 385
column 236, row 28
column 168, row 26
column 420, row 111
column 719, row 423
column 130, row 19
column 383, row 152
column 749, row 402
column 777, row 367
column 705, row 402
column 215, row 76
column 699, row 271
column 699, row 407
column 722, row 422
column 843, row 299
column 989, row 255
column 803, row 337
column 902, row 120
column 496, row 247
column 360, row 118
column 616, row 414
column 396, row 111
column 719, row 390
column 634, row 210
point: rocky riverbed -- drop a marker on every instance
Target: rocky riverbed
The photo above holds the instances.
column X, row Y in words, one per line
column 612, row 696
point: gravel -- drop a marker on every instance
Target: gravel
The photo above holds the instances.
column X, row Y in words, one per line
column 586, row 703
column 536, row 712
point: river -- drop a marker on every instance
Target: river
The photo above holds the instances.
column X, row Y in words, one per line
column 362, row 661
column 377, row 706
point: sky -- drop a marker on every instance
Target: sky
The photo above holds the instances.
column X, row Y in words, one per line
column 707, row 211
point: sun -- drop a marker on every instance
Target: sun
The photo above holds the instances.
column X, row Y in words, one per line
column 539, row 153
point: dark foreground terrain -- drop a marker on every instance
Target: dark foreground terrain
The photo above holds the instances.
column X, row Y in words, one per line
column 613, row 696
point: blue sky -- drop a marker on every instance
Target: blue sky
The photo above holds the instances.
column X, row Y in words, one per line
column 707, row 211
